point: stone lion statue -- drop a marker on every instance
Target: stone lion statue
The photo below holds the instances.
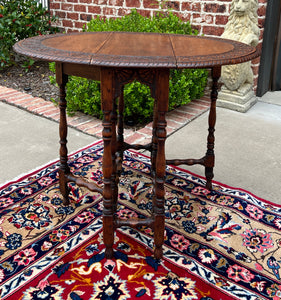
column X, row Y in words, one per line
column 242, row 26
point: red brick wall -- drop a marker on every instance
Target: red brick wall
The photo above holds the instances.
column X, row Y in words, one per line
column 209, row 17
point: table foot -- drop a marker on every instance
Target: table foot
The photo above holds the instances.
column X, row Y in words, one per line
column 109, row 253
column 159, row 231
column 65, row 201
column 209, row 176
column 158, row 253
column 64, row 189
column 108, row 235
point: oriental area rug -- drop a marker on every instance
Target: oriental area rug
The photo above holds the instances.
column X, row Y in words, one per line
column 219, row 245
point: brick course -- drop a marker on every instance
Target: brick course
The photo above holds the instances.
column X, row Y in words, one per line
column 208, row 17
column 200, row 13
column 176, row 119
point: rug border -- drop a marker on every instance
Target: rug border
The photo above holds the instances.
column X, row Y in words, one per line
column 40, row 168
column 216, row 182
column 97, row 145
column 35, row 170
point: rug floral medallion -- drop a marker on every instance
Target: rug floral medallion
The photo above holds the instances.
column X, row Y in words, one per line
column 219, row 244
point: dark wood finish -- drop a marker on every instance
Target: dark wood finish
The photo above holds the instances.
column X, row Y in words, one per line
column 64, row 172
column 210, row 155
column 208, row 161
column 116, row 59
column 161, row 100
column 138, row 50
column 86, row 71
column 112, row 83
column 64, row 168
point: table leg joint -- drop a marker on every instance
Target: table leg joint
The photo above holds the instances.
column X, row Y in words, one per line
column 135, row 222
column 81, row 182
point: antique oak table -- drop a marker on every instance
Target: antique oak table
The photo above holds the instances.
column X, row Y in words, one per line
column 115, row 59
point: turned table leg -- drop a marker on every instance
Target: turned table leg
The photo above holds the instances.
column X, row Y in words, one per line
column 107, row 95
column 161, row 98
column 154, row 140
column 114, row 146
column 64, row 168
column 120, row 133
column 210, row 155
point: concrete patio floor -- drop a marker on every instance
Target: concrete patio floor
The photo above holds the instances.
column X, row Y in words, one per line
column 247, row 148
column 247, row 145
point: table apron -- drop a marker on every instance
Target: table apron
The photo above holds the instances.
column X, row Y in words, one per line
column 81, row 70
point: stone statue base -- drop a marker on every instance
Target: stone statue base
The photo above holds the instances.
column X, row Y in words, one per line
column 240, row 100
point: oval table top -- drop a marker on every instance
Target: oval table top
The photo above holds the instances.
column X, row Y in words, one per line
column 131, row 49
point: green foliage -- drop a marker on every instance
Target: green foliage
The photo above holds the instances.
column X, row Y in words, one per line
column 26, row 65
column 134, row 22
column 20, row 19
column 84, row 95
